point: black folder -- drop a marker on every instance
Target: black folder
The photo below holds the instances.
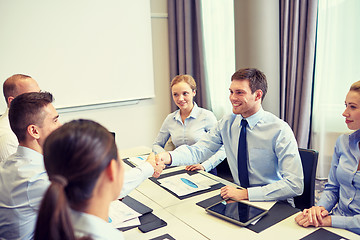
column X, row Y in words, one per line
column 210, row 201
column 276, row 213
column 136, row 205
column 322, row 233
column 147, row 215
column 163, row 237
column 213, row 187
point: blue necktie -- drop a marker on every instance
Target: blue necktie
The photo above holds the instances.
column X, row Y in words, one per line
column 243, row 156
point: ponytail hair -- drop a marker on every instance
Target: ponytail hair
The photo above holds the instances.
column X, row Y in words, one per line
column 53, row 220
column 74, row 155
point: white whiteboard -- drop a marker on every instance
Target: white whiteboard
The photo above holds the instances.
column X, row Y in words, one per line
column 83, row 51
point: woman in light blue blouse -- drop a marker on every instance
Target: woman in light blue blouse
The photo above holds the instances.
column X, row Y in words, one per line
column 341, row 194
column 188, row 124
column 86, row 175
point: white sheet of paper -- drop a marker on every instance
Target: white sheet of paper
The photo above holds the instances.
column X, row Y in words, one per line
column 119, row 212
column 203, row 180
column 180, row 188
column 139, row 159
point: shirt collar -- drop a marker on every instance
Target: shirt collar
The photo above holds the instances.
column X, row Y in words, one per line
column 194, row 113
column 355, row 136
column 254, row 119
column 88, row 224
column 35, row 156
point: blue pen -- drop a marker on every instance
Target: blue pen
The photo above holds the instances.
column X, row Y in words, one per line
column 188, row 182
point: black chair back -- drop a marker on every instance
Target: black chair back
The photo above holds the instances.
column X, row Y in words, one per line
column 223, row 171
column 309, row 160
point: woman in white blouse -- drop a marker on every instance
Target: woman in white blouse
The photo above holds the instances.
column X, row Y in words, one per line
column 188, row 124
column 86, row 175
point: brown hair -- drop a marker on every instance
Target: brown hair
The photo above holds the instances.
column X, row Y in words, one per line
column 257, row 79
column 74, row 155
column 184, row 78
column 27, row 109
column 10, row 88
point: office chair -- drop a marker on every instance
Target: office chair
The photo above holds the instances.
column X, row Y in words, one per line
column 309, row 160
column 223, row 170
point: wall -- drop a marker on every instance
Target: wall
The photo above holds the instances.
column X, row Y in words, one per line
column 96, row 44
column 257, row 43
column 138, row 124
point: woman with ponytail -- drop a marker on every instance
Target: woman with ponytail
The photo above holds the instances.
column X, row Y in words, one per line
column 86, row 174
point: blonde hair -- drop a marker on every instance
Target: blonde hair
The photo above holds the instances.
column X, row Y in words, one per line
column 184, row 78
column 355, row 87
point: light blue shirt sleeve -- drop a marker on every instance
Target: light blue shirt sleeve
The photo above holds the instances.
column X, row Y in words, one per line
column 330, row 196
column 199, row 152
column 196, row 125
column 220, row 155
column 340, row 196
column 351, row 223
column 163, row 135
column 214, row 160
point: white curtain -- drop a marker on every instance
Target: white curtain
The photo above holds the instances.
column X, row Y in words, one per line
column 337, row 67
column 219, row 51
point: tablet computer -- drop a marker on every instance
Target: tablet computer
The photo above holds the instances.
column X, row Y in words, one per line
column 237, row 212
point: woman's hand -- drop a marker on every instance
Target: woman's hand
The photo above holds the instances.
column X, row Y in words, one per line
column 314, row 216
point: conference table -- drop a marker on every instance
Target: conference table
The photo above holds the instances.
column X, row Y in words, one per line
column 186, row 220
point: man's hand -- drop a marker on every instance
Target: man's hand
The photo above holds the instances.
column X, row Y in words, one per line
column 314, row 216
column 194, row 167
column 164, row 157
column 158, row 166
column 234, row 193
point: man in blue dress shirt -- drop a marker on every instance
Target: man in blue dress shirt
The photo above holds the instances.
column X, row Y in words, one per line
column 23, row 179
column 274, row 167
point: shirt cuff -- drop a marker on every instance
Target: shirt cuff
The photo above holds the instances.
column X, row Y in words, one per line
column 340, row 221
column 207, row 166
column 255, row 194
column 174, row 158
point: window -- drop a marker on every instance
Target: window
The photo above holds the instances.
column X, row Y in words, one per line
column 336, row 68
column 219, row 51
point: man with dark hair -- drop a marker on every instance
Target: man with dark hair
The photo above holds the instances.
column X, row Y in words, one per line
column 12, row 87
column 23, row 179
column 261, row 149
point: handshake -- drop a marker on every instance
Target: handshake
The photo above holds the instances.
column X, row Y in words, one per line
column 158, row 162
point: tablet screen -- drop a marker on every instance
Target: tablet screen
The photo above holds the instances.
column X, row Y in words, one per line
column 237, row 212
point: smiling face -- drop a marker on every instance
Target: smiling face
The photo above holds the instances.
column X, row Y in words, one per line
column 183, row 96
column 352, row 110
column 243, row 101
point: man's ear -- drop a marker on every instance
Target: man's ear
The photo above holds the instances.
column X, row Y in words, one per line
column 258, row 94
column 33, row 131
column 9, row 100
